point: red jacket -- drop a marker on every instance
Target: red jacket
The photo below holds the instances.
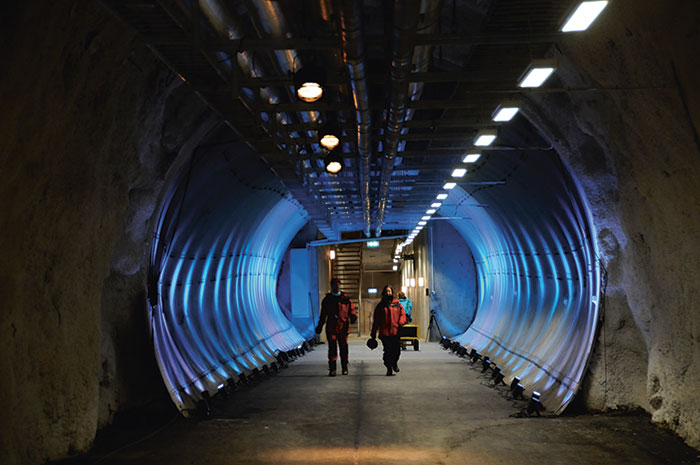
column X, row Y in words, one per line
column 336, row 311
column 388, row 318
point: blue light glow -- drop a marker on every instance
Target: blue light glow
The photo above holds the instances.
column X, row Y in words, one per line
column 538, row 279
column 217, row 253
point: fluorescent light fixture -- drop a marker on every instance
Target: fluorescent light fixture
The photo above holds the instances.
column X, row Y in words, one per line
column 441, row 196
column 583, row 16
column 422, row 223
column 404, row 289
column 536, row 73
column 407, row 282
column 436, row 205
column 372, row 290
column 506, row 111
column 421, row 281
column 471, row 157
column 413, row 282
column 449, row 185
column 459, row 172
column 332, row 254
column 485, row 137
column 425, row 218
column 395, row 267
column 430, row 211
column 372, row 243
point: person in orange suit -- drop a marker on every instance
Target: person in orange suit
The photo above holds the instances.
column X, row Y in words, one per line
column 337, row 313
column 388, row 316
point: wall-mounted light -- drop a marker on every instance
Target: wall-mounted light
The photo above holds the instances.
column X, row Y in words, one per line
column 436, row 205
column 421, row 281
column 430, row 211
column 413, row 282
column 372, row 244
column 404, row 289
column 506, row 111
column 334, row 161
column 472, row 156
column 422, row 223
column 485, row 137
column 583, row 16
column 309, row 82
column 425, row 218
column 395, row 267
column 537, row 73
column 372, row 290
column 332, row 254
column 441, row 196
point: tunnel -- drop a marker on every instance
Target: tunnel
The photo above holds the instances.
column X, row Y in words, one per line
column 170, row 226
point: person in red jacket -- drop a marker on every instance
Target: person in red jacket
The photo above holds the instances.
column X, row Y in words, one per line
column 337, row 313
column 388, row 316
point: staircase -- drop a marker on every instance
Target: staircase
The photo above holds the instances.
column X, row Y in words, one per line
column 347, row 267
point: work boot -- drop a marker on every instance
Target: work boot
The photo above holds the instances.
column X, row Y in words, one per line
column 388, row 371
column 396, row 367
column 345, row 369
column 331, row 367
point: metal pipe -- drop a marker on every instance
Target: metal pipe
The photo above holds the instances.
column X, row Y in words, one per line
column 350, row 241
column 354, row 57
column 405, row 24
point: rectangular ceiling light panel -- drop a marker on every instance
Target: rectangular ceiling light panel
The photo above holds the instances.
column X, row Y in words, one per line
column 537, row 73
column 584, row 16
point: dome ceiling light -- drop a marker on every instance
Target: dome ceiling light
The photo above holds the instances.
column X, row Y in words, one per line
column 334, row 161
column 309, row 83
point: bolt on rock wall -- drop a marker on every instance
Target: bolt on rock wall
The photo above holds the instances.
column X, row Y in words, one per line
column 632, row 141
column 91, row 122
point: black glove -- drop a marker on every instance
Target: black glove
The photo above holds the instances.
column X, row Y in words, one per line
column 319, row 328
column 353, row 319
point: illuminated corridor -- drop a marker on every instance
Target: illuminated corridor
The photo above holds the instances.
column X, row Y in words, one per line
column 438, row 409
column 182, row 179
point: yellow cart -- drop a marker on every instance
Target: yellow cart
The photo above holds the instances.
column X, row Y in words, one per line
column 409, row 335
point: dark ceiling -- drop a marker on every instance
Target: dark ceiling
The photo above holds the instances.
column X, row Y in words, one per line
column 410, row 83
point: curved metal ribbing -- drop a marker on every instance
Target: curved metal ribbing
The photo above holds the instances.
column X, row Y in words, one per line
column 405, row 23
column 354, row 56
column 538, row 278
column 216, row 257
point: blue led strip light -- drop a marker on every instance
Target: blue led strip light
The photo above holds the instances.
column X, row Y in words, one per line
column 217, row 253
column 539, row 279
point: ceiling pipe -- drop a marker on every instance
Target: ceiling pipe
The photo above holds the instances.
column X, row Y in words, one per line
column 354, row 57
column 226, row 25
column 405, row 24
column 427, row 24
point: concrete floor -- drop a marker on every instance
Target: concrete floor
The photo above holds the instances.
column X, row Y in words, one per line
column 437, row 410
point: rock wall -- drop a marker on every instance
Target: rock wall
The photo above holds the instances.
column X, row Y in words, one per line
column 630, row 135
column 91, row 123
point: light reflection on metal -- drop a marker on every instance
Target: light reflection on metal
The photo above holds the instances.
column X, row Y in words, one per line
column 538, row 280
column 217, row 253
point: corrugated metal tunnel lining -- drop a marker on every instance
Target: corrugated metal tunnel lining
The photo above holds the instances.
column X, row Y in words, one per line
column 216, row 256
column 224, row 229
column 538, row 276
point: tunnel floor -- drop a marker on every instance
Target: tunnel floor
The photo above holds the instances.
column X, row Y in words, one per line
column 437, row 410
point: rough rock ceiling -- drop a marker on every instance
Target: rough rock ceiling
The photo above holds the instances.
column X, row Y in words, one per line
column 409, row 83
